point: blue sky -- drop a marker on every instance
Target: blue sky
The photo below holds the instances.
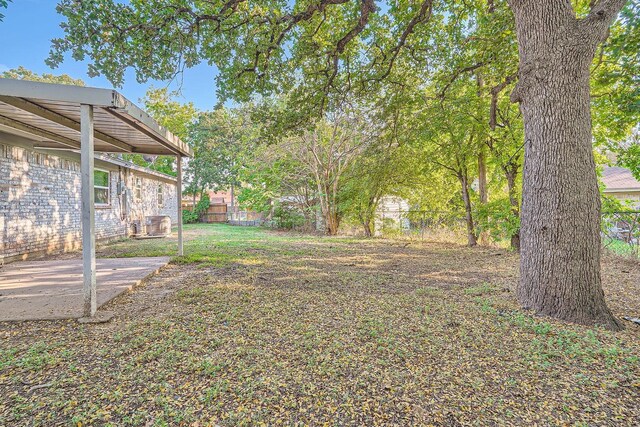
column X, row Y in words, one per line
column 25, row 35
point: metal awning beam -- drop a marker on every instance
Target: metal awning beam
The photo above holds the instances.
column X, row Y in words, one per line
column 140, row 127
column 39, row 133
column 52, row 116
column 26, row 96
column 57, row 92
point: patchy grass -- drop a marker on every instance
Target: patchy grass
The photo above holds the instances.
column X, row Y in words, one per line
column 482, row 289
column 621, row 248
column 253, row 327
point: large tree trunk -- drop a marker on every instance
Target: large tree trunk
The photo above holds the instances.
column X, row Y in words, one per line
column 511, row 172
column 560, row 246
column 332, row 223
column 482, row 187
column 471, row 229
column 365, row 221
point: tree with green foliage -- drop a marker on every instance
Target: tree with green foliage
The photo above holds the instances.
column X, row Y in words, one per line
column 21, row 73
column 382, row 169
column 615, row 83
column 329, row 169
column 3, row 5
column 168, row 112
column 504, row 141
column 615, row 91
column 389, row 165
column 325, row 153
column 171, row 114
column 451, row 138
column 323, row 49
column 220, row 140
column 199, row 209
column 276, row 184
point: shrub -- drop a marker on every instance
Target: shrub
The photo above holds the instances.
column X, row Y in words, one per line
column 189, row 217
column 287, row 218
column 497, row 219
column 391, row 228
column 192, row 216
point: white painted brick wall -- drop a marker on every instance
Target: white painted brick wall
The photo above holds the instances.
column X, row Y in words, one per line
column 40, row 203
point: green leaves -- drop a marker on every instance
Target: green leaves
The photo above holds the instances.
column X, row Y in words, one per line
column 498, row 219
column 222, row 140
column 443, row 69
column 21, row 73
column 267, row 328
column 3, row 5
column 171, row 114
column 312, row 49
column 615, row 83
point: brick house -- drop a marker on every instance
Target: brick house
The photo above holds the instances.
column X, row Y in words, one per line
column 57, row 192
column 620, row 183
column 40, row 198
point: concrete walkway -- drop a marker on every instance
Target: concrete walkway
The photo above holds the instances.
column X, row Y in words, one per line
column 44, row 290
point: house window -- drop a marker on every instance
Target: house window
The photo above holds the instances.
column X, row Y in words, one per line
column 137, row 189
column 101, row 190
column 160, row 196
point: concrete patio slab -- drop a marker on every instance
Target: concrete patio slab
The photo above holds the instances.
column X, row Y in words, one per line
column 46, row 290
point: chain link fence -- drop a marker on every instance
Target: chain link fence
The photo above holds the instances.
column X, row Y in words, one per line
column 621, row 233
column 421, row 224
column 247, row 218
column 620, row 230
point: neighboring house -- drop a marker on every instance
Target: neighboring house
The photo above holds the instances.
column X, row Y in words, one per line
column 392, row 212
column 40, row 198
column 221, row 198
column 215, row 198
column 620, row 183
column 220, row 206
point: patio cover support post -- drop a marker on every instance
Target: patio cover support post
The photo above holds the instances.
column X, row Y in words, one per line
column 179, row 201
column 88, row 210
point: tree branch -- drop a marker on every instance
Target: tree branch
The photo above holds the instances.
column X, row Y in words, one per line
column 602, row 15
column 495, row 91
column 422, row 16
column 457, row 74
column 366, row 7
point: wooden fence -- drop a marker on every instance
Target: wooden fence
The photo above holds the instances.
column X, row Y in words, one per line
column 215, row 213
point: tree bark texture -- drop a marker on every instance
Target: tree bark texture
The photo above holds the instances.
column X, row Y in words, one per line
column 471, row 229
column 560, row 218
column 511, row 173
column 366, row 226
column 482, row 187
column 332, row 223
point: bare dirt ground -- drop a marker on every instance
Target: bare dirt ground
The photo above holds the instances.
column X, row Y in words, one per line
column 262, row 328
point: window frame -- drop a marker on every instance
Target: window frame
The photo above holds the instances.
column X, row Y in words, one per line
column 160, row 195
column 137, row 189
column 101, row 187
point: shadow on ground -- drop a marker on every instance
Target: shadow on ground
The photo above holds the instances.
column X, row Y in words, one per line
column 258, row 327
